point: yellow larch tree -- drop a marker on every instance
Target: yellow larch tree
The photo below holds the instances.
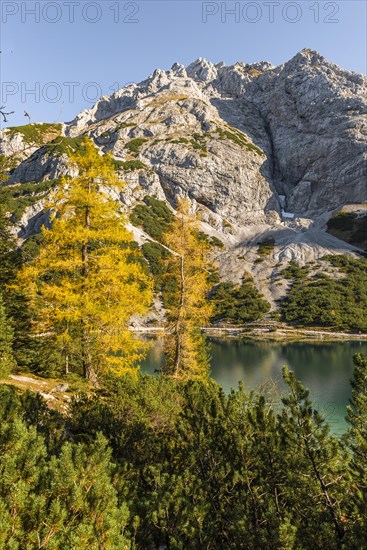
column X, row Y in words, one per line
column 186, row 349
column 87, row 280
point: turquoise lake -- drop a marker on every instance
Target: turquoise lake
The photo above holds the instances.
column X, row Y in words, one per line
column 324, row 368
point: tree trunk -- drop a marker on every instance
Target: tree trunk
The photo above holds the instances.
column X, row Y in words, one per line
column 178, row 327
column 88, row 371
column 91, row 375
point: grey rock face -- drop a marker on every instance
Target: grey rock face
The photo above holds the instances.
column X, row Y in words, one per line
column 32, row 220
column 226, row 181
column 14, row 143
column 40, row 166
column 189, row 148
column 315, row 115
column 232, row 138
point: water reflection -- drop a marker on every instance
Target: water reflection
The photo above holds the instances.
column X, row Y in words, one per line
column 325, row 368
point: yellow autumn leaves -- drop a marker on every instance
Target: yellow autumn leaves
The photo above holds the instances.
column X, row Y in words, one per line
column 83, row 285
column 186, row 351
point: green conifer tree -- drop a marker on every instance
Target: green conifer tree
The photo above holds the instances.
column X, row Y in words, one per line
column 16, row 304
column 22, row 467
column 82, row 509
column 317, row 473
column 9, row 259
column 7, row 362
column 53, row 501
column 357, row 419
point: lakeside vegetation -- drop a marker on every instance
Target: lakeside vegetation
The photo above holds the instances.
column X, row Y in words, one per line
column 238, row 304
column 337, row 301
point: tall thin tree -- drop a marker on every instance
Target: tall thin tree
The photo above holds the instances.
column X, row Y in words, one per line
column 187, row 354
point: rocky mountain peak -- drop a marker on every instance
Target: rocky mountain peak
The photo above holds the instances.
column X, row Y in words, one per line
column 261, row 151
column 308, row 56
column 202, row 70
column 178, row 70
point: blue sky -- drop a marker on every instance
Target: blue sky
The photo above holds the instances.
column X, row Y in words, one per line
column 70, row 52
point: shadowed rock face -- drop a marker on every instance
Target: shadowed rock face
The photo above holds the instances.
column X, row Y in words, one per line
column 316, row 124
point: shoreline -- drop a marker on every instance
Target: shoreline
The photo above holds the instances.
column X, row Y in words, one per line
column 268, row 332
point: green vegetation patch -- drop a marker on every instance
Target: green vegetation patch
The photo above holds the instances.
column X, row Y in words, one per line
column 134, row 145
column 126, row 125
column 154, row 217
column 197, row 142
column 7, row 164
column 130, row 165
column 156, row 254
column 343, row 221
column 238, row 304
column 265, row 248
column 182, row 140
column 239, row 138
column 322, row 301
column 210, row 241
column 65, row 145
column 198, row 146
column 295, row 272
column 162, row 99
column 165, row 283
column 39, row 134
column 214, row 241
column 16, row 198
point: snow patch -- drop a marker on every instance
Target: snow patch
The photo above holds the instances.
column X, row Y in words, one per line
column 287, row 215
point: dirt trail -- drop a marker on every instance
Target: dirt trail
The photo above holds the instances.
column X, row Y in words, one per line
column 45, row 387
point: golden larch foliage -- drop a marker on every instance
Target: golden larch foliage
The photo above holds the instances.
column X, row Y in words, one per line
column 87, row 280
column 186, row 350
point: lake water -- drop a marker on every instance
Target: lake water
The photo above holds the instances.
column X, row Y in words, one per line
column 324, row 368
